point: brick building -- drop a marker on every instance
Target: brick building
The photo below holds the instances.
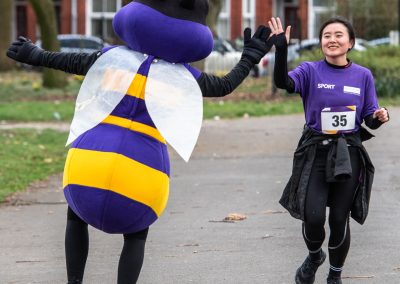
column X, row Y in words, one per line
column 238, row 14
column 94, row 17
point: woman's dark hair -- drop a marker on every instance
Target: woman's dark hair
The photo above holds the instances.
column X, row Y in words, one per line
column 343, row 21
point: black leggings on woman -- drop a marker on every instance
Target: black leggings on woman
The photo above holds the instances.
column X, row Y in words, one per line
column 77, row 247
column 340, row 196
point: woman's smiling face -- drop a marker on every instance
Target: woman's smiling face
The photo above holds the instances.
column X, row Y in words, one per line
column 335, row 41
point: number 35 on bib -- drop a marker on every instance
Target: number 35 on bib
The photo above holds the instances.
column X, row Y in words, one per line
column 338, row 119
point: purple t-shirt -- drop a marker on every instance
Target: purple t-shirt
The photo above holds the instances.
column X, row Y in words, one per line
column 328, row 92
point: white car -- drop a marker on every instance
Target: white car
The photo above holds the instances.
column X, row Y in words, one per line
column 380, row 41
column 222, row 58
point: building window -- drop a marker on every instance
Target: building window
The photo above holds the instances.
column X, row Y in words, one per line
column 100, row 16
column 291, row 2
column 223, row 25
column 321, row 10
column 21, row 23
column 248, row 11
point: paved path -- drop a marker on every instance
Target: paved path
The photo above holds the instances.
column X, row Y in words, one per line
column 239, row 166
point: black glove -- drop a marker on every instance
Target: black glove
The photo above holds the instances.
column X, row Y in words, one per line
column 281, row 42
column 23, row 50
column 257, row 46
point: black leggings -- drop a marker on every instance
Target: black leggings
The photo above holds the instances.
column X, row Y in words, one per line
column 340, row 196
column 77, row 247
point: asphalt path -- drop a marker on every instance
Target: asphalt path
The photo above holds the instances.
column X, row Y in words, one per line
column 238, row 166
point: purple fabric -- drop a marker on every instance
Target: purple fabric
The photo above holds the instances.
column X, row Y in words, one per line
column 134, row 109
column 321, row 85
column 148, row 31
column 107, row 48
column 107, row 210
column 134, row 145
column 195, row 72
column 145, row 67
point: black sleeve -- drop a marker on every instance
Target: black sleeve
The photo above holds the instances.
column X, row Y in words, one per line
column 75, row 63
column 281, row 77
column 214, row 86
column 371, row 122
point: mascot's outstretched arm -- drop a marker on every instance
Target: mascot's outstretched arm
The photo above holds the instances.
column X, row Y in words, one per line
column 254, row 49
column 23, row 50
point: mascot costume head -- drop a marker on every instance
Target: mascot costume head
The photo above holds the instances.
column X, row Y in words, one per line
column 172, row 30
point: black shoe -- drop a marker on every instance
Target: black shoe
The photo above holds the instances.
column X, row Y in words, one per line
column 333, row 280
column 305, row 274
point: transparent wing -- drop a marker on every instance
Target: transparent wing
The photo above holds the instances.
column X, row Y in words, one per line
column 175, row 104
column 103, row 88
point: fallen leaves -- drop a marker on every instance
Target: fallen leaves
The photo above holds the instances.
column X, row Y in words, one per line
column 231, row 218
column 235, row 217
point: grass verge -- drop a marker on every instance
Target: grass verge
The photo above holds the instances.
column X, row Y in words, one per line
column 243, row 108
column 28, row 155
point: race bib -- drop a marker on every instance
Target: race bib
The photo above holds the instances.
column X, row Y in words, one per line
column 338, row 119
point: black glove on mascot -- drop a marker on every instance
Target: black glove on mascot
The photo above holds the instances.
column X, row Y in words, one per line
column 134, row 99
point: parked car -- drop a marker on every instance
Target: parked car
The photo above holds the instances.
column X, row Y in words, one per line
column 380, row 41
column 72, row 43
column 78, row 43
column 223, row 58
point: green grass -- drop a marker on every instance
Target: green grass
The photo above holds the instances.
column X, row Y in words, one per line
column 387, row 102
column 236, row 109
column 36, row 111
column 22, row 98
column 29, row 155
column 27, row 86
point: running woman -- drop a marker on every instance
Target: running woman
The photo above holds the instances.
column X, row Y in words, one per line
column 331, row 167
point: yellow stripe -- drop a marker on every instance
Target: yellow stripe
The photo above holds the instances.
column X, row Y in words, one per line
column 117, row 173
column 135, row 126
column 352, row 107
column 136, row 89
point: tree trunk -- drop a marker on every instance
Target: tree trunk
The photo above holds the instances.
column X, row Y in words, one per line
column 45, row 13
column 5, row 34
column 212, row 20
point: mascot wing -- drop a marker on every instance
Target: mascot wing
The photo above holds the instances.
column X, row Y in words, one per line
column 104, row 87
column 175, row 104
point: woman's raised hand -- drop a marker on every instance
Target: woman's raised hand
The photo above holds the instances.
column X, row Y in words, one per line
column 276, row 28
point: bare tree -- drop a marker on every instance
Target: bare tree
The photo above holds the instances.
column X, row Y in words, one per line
column 212, row 20
column 45, row 13
column 5, row 34
column 371, row 18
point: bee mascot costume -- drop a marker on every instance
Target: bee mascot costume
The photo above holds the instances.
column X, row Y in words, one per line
column 134, row 99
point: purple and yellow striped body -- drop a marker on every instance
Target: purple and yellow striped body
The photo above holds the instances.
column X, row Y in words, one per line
column 116, row 176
